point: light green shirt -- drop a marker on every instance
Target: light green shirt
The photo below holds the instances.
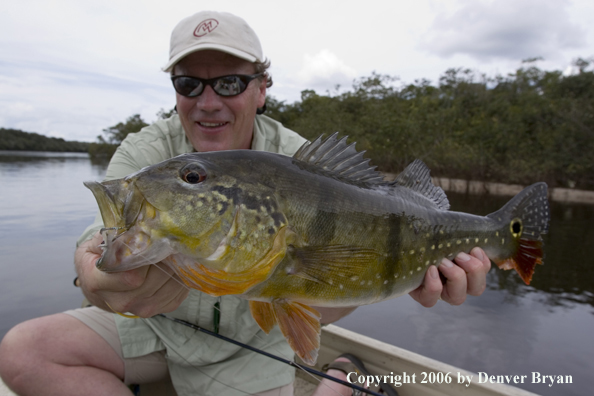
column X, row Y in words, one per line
column 199, row 363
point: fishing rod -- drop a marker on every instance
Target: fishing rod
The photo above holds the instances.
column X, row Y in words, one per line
column 278, row 358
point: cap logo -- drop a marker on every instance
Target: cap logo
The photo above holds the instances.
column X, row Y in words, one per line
column 205, row 27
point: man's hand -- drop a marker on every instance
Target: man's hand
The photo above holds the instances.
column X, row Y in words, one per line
column 144, row 291
column 469, row 276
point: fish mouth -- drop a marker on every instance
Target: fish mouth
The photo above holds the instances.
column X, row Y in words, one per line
column 126, row 245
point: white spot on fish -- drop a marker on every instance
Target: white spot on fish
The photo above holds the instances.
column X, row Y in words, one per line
column 411, row 272
column 363, row 282
column 412, row 252
column 432, row 247
column 486, row 240
column 396, row 275
column 340, row 286
column 418, row 268
column 467, row 240
column 427, row 262
column 458, row 242
column 422, row 250
column 497, row 233
column 378, row 276
column 354, row 278
column 502, row 241
column 440, row 245
column 475, row 240
column 385, row 282
column 441, row 232
column 199, row 203
column 330, row 281
column 369, row 283
column 449, row 244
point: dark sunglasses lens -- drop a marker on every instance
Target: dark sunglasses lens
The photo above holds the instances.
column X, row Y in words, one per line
column 188, row 86
column 229, row 86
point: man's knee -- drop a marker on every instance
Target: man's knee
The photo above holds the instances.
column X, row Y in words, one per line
column 17, row 351
column 56, row 339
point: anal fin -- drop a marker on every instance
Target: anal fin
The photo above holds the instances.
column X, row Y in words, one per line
column 263, row 314
column 300, row 324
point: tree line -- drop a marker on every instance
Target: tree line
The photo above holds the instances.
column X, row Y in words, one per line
column 15, row 139
column 531, row 125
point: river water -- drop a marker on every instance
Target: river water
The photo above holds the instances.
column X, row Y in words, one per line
column 512, row 329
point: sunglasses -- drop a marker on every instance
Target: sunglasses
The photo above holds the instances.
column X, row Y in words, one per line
column 231, row 85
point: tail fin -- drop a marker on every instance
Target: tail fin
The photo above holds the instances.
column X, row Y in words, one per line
column 528, row 216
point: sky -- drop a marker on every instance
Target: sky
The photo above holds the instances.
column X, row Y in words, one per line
column 71, row 68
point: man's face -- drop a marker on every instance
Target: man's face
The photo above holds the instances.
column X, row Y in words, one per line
column 214, row 122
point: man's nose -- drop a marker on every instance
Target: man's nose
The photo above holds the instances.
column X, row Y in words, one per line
column 209, row 101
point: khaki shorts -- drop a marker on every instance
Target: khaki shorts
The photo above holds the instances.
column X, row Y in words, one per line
column 142, row 369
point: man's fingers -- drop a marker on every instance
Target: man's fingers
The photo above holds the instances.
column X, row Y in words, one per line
column 454, row 291
column 476, row 267
column 161, row 291
column 428, row 293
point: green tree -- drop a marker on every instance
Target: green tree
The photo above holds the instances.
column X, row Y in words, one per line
column 117, row 133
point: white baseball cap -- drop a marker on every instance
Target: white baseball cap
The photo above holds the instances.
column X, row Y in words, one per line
column 211, row 30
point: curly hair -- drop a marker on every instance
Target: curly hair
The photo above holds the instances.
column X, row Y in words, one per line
column 262, row 67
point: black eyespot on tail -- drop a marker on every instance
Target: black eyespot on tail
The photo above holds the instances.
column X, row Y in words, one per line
column 516, row 227
column 192, row 174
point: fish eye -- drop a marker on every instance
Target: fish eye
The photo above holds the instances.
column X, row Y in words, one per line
column 516, row 227
column 192, row 174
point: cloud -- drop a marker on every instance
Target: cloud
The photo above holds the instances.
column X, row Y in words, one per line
column 72, row 103
column 505, row 29
column 324, row 71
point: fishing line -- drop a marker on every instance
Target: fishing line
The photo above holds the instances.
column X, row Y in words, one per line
column 253, row 335
column 277, row 358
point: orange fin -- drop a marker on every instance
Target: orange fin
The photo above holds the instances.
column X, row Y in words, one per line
column 529, row 254
column 263, row 314
column 300, row 324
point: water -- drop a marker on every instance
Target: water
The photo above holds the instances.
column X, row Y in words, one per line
column 512, row 329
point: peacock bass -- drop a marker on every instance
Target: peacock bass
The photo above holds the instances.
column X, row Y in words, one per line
column 321, row 228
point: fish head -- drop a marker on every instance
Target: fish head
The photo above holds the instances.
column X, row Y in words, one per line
column 205, row 210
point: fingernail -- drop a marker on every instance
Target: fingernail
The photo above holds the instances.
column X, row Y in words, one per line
column 447, row 263
column 433, row 272
column 463, row 256
column 478, row 253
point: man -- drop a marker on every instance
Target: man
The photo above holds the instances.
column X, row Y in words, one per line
column 219, row 74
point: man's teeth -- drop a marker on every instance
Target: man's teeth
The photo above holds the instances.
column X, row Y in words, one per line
column 211, row 124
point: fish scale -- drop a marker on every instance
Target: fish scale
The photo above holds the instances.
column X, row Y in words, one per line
column 321, row 228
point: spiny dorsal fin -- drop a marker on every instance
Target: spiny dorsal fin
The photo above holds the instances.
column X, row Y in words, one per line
column 334, row 158
column 417, row 177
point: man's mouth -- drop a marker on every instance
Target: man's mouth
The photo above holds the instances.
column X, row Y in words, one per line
column 211, row 124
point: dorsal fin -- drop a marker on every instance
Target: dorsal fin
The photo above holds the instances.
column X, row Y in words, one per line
column 334, row 158
column 417, row 177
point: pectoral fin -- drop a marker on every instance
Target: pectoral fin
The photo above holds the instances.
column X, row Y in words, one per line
column 325, row 264
column 263, row 314
column 300, row 324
